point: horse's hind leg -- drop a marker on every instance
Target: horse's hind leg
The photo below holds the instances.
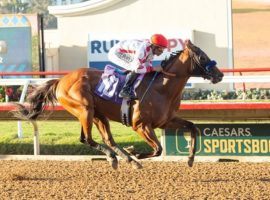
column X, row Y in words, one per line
column 103, row 126
column 85, row 114
column 86, row 120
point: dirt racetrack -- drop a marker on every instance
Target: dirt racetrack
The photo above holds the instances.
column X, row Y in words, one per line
column 157, row 180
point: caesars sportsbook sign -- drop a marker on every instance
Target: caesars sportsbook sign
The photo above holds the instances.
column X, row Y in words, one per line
column 221, row 140
column 99, row 45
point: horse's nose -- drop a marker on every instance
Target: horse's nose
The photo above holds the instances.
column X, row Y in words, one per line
column 220, row 77
column 217, row 78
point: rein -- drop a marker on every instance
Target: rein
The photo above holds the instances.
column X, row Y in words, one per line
column 163, row 68
column 151, row 82
column 195, row 60
column 168, row 73
column 163, row 72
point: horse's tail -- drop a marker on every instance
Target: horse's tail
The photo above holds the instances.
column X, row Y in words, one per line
column 38, row 99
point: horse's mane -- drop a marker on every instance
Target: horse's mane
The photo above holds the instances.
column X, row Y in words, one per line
column 166, row 61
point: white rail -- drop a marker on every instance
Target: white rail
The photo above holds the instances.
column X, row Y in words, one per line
column 226, row 79
column 235, row 79
column 26, row 83
column 23, row 81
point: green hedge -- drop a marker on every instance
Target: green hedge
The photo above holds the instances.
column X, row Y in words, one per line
column 10, row 93
column 249, row 94
column 13, row 93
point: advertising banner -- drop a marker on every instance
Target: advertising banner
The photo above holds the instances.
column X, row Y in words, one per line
column 221, row 140
column 99, row 45
column 15, row 43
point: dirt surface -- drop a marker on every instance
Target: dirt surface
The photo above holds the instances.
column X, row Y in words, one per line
column 157, row 180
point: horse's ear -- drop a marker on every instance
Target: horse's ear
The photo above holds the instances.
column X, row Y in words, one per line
column 187, row 43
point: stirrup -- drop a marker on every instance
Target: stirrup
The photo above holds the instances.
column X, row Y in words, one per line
column 127, row 95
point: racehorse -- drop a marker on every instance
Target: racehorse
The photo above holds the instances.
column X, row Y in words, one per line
column 75, row 92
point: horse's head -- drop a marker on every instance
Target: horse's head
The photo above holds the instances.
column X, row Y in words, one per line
column 202, row 65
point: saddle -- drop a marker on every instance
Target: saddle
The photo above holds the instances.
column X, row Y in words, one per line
column 109, row 87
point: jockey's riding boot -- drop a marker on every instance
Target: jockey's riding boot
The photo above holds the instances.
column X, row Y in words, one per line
column 127, row 91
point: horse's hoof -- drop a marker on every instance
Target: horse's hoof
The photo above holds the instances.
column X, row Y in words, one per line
column 136, row 165
column 114, row 163
column 190, row 162
column 139, row 156
column 130, row 149
column 82, row 140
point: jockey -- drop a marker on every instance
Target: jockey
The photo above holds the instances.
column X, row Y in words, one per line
column 136, row 57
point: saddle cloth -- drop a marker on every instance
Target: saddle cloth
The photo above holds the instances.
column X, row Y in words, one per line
column 111, row 83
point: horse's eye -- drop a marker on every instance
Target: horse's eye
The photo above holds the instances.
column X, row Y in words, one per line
column 203, row 59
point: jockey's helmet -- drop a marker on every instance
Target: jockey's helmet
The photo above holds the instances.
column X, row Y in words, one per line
column 159, row 40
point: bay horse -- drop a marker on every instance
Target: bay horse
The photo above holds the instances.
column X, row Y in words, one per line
column 75, row 92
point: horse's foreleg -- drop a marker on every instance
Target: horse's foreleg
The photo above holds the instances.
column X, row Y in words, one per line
column 148, row 134
column 176, row 123
column 82, row 137
column 103, row 126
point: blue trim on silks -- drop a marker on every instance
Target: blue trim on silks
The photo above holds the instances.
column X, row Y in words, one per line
column 119, row 71
column 210, row 64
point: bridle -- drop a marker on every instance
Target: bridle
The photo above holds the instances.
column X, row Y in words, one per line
column 196, row 63
column 205, row 67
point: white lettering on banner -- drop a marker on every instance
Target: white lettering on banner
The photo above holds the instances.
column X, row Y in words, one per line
column 247, row 146
column 227, row 132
